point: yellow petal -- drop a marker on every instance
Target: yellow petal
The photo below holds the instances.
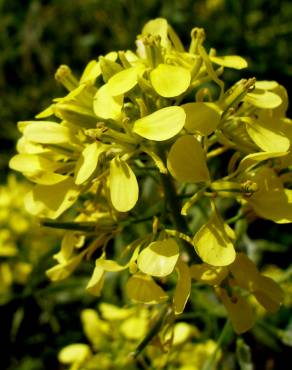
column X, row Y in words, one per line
column 143, row 289
column 6, row 277
column 74, row 353
column 183, row 287
column 181, row 333
column 47, row 178
column 254, row 158
column 159, row 258
column 91, row 325
column 244, row 271
column 268, row 293
column 186, row 160
column 208, row 274
column 266, row 85
column 70, row 239
column 162, row 124
column 230, row 61
column 134, row 328
column 47, row 112
column 24, row 146
column 107, row 106
column 110, row 265
column 202, row 118
column 271, row 200
column 108, row 68
column 170, row 81
column 76, row 114
column 96, row 281
column 87, row 162
column 124, row 190
column 52, row 200
column 91, row 72
column 63, row 270
column 274, row 113
column 157, row 27
column 212, row 243
column 263, row 99
column 47, row 133
column 123, row 81
column 95, row 329
column 111, row 313
column 267, row 136
column 31, row 164
column 239, row 311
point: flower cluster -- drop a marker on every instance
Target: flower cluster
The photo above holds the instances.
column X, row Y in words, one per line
column 162, row 114
column 22, row 240
column 114, row 334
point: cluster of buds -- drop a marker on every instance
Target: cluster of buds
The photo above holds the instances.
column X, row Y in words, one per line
column 132, row 153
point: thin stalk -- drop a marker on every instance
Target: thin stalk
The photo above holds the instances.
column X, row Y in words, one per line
column 76, row 226
column 154, row 330
column 174, row 204
column 210, row 364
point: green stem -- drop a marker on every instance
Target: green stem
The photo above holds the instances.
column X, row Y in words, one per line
column 211, row 362
column 154, row 330
column 235, row 218
column 174, row 204
column 75, row 226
